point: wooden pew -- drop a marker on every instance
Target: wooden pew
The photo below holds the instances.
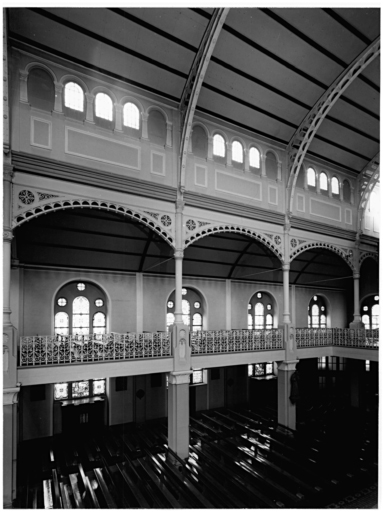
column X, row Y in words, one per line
column 90, row 495
column 184, row 482
column 254, row 497
column 110, row 503
column 142, row 502
column 166, row 498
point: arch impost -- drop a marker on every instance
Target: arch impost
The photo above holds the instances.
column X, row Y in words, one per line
column 273, row 241
column 303, row 136
column 7, row 235
column 161, row 223
column 178, row 254
column 356, row 274
column 8, row 172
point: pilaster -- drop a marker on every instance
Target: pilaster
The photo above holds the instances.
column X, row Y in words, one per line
column 89, row 108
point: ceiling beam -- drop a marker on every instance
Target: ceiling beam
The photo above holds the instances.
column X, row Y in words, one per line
column 194, row 82
column 307, row 130
column 367, row 180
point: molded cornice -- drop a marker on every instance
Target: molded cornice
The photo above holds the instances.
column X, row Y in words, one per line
column 74, row 173
column 324, row 229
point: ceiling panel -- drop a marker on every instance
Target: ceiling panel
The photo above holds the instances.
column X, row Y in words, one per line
column 365, row 20
column 337, row 155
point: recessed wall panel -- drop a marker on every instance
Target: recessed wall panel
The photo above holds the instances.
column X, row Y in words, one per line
column 226, row 182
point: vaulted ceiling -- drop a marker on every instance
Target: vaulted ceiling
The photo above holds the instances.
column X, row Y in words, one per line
column 268, row 68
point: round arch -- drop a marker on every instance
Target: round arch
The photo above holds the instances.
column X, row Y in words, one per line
column 203, row 126
column 220, row 132
column 131, row 99
column 105, row 90
column 73, row 280
column 268, row 150
column 28, row 68
column 73, row 78
column 159, row 109
column 275, row 303
column 327, row 302
column 199, row 292
column 151, row 223
column 323, row 245
column 241, row 231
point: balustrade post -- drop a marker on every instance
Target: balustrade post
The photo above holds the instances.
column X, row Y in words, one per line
column 10, row 399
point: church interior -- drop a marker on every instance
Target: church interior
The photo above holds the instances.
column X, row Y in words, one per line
column 191, row 210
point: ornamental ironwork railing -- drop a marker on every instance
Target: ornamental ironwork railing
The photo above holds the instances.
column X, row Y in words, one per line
column 242, row 340
column 59, row 349
column 351, row 338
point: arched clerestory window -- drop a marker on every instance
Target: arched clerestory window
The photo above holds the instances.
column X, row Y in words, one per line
column 41, row 89
column 131, row 116
column 80, row 308
column 219, row 146
column 311, row 177
column 370, row 312
column 323, row 182
column 74, row 96
column 192, row 310
column 254, row 158
column 103, row 106
column 237, row 152
column 260, row 311
column 317, row 313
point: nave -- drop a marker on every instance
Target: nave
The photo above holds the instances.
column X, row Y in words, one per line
column 239, row 458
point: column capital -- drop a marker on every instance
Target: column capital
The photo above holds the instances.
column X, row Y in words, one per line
column 180, row 205
column 356, row 275
column 23, row 75
column 8, row 172
column 286, row 266
column 288, row 366
column 59, row 87
column 10, row 395
column 178, row 254
column 183, row 377
column 169, row 125
column 144, row 116
column 89, row 97
column 118, row 107
column 7, row 235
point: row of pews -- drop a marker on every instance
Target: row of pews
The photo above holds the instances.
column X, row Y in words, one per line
column 238, row 459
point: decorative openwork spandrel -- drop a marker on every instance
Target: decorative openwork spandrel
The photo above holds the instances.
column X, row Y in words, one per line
column 336, row 337
column 59, row 349
column 242, row 340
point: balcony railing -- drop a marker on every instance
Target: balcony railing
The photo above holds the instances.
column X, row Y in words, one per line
column 58, row 349
column 351, row 338
column 222, row 342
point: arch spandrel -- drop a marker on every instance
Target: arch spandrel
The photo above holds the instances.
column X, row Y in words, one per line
column 272, row 242
column 346, row 255
column 161, row 223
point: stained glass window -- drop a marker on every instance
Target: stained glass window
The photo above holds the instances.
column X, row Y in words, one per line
column 375, row 316
column 80, row 316
column 99, row 387
column 269, row 368
column 99, row 323
column 259, row 369
column 365, row 308
column 197, row 322
column 192, row 309
column 254, row 158
column 219, row 148
column 376, row 297
column 131, row 116
column 80, row 389
column 62, row 302
column 317, row 317
column 249, row 306
column 169, row 320
column 74, row 96
column 237, row 152
column 249, row 321
column 322, row 363
column 99, row 303
column 259, row 295
column 81, row 286
column 323, row 183
column 367, row 365
column 104, row 106
column 61, row 391
column 366, row 321
column 259, row 320
column 62, row 323
column 269, row 321
column 311, row 177
column 186, row 311
column 250, row 370
column 335, row 185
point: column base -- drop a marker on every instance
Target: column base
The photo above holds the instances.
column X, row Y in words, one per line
column 357, row 325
